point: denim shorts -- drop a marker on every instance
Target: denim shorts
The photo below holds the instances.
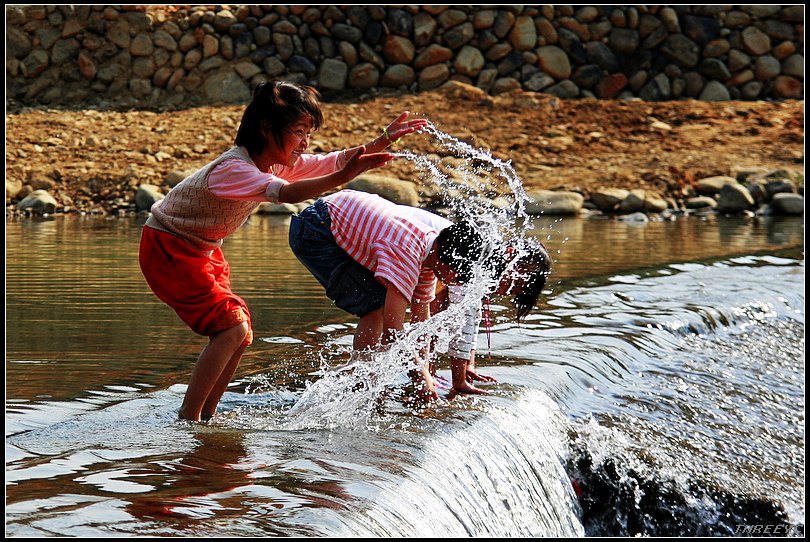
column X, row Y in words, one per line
column 351, row 286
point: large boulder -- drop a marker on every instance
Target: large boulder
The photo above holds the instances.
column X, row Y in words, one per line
column 785, row 203
column 267, row 208
column 641, row 200
column 146, row 196
column 393, row 189
column 551, row 202
column 38, row 202
column 734, row 198
column 709, row 186
column 608, row 199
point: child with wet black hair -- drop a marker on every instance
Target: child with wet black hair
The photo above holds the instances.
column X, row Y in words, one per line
column 376, row 258
column 522, row 276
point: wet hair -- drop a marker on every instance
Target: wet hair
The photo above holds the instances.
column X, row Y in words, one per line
column 460, row 246
column 537, row 259
column 275, row 106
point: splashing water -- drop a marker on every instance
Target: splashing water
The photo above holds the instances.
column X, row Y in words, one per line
column 480, row 189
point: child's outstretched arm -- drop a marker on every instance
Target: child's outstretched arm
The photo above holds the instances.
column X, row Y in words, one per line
column 358, row 161
column 399, row 127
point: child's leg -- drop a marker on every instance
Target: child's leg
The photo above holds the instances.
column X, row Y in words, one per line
column 210, row 406
column 218, row 360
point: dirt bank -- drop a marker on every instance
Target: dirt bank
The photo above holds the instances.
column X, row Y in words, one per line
column 92, row 160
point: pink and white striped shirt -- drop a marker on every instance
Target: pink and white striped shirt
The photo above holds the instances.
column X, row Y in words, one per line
column 387, row 239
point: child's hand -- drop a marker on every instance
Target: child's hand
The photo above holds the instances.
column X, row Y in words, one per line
column 427, row 391
column 424, row 389
column 357, row 161
column 401, row 127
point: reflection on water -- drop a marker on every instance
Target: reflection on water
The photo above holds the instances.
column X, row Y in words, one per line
column 77, row 305
column 633, row 344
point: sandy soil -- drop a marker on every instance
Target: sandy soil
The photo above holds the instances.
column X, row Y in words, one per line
column 91, row 159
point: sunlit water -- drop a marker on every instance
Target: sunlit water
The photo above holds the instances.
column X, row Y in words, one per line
column 676, row 371
column 658, row 389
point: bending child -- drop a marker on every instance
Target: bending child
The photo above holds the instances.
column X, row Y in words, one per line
column 522, row 276
column 374, row 258
column 180, row 252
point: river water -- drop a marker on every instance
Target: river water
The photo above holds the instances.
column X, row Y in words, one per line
column 658, row 389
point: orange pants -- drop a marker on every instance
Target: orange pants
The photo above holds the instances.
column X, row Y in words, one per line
column 196, row 285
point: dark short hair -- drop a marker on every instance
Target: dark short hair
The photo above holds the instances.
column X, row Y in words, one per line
column 533, row 256
column 460, row 246
column 275, row 106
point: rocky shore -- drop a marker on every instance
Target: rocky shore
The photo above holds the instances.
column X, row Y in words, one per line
column 752, row 191
column 609, row 109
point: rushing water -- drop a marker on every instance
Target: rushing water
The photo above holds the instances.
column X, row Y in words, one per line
column 658, row 390
column 667, row 360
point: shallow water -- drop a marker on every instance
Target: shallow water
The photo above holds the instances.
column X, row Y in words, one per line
column 669, row 355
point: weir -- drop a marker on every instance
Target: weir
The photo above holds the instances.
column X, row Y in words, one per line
column 499, row 476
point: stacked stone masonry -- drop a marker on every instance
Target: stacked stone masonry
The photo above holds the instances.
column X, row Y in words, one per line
column 186, row 55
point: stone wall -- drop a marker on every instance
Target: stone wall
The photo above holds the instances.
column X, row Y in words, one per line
column 157, row 56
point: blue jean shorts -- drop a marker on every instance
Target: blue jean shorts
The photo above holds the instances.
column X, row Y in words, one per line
column 351, row 286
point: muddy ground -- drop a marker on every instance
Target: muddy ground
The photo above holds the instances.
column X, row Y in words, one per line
column 93, row 160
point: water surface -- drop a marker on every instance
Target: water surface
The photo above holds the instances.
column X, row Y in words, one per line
column 673, row 349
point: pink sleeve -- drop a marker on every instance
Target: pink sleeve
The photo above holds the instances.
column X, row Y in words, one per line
column 310, row 166
column 425, row 290
column 240, row 180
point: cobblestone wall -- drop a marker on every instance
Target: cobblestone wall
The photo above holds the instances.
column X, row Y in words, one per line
column 173, row 55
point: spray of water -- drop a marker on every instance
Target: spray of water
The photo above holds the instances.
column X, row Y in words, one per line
column 474, row 186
